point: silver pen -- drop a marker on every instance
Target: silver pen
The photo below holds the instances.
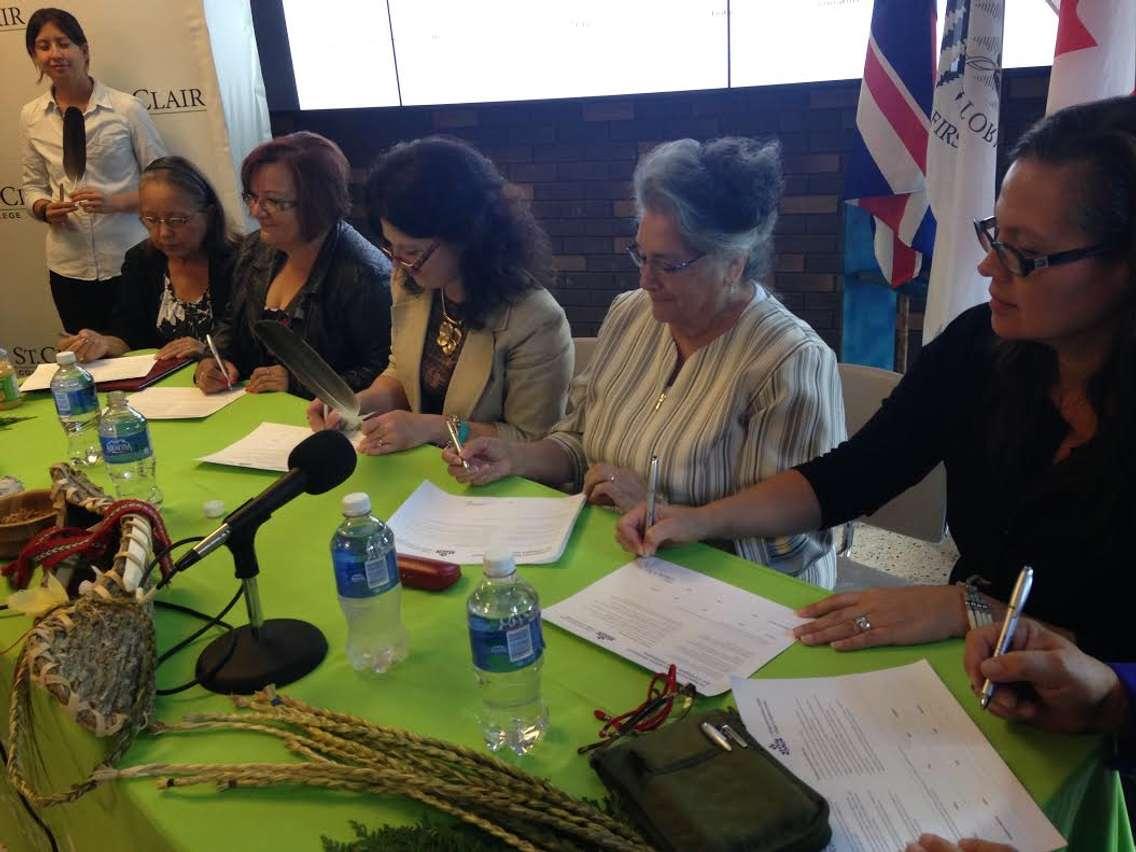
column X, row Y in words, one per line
column 452, row 428
column 715, row 736
column 217, row 357
column 1006, row 637
column 652, row 487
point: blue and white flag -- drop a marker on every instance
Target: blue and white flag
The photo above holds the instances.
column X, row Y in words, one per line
column 962, row 155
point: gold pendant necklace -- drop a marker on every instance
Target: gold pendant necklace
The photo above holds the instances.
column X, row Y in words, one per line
column 450, row 331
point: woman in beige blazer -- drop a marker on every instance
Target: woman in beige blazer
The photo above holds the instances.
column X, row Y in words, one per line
column 475, row 336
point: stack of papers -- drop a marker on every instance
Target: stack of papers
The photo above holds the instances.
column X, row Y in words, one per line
column 181, row 403
column 267, row 447
column 438, row 525
column 895, row 756
column 102, row 370
column 655, row 613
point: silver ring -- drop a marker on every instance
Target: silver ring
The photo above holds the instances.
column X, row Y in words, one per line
column 863, row 623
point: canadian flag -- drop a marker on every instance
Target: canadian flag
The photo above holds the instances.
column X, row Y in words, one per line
column 1095, row 55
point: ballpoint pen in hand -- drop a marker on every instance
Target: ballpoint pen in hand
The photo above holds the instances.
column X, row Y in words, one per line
column 217, row 357
column 652, row 488
column 452, row 428
column 1006, row 637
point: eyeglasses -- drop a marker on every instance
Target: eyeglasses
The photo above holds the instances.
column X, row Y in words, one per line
column 410, row 266
column 659, row 267
column 1020, row 264
column 174, row 222
column 667, row 701
column 268, row 204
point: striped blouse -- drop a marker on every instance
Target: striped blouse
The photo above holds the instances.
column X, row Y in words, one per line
column 760, row 398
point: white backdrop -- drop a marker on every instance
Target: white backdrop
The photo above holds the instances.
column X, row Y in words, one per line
column 192, row 63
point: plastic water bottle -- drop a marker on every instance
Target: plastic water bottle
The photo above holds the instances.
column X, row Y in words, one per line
column 370, row 594
column 77, row 404
column 129, row 455
column 508, row 655
column 9, row 386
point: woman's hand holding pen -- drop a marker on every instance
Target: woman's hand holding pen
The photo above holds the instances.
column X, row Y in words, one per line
column 488, row 459
column 1046, row 680
column 209, row 378
column 673, row 525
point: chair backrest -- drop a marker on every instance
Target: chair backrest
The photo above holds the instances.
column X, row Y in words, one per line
column 585, row 346
column 921, row 510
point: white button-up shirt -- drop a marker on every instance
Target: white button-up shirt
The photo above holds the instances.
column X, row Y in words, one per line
column 121, row 141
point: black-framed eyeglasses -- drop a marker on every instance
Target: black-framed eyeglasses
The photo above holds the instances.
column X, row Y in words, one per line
column 410, row 266
column 151, row 223
column 1020, row 264
column 268, row 203
column 659, row 267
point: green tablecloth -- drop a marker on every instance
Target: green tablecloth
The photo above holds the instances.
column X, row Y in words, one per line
column 433, row 691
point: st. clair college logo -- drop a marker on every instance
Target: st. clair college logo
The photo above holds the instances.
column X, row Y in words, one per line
column 12, row 18
column 169, row 101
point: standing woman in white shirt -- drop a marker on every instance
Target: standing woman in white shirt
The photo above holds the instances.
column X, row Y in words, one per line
column 91, row 223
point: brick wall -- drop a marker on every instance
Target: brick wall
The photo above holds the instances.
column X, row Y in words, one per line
column 574, row 159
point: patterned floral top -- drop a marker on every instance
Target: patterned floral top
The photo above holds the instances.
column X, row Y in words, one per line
column 178, row 318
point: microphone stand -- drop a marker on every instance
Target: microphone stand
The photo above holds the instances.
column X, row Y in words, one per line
column 277, row 651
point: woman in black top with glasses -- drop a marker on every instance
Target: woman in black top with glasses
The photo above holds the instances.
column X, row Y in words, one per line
column 306, row 268
column 175, row 284
column 1030, row 401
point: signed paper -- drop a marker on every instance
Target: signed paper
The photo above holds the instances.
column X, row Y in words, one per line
column 655, row 613
column 181, row 403
column 102, row 370
column 438, row 525
column 896, row 756
column 266, row 447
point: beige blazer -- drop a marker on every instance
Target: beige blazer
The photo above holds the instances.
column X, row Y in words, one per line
column 514, row 372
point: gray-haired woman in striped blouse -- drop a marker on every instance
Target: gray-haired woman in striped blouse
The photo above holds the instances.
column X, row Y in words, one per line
column 701, row 366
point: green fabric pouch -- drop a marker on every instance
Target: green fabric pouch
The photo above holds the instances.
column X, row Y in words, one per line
column 686, row 793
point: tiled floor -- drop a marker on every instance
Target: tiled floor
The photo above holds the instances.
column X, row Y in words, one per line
column 908, row 558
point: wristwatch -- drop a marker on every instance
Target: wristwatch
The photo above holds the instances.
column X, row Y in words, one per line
column 978, row 610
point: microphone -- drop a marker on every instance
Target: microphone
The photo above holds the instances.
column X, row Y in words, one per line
column 317, row 464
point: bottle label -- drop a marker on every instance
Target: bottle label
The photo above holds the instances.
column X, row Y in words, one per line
column 506, row 644
column 126, row 448
column 364, row 578
column 79, row 401
column 9, row 390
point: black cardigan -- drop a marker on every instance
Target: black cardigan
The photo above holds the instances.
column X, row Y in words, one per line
column 135, row 314
column 1071, row 521
column 343, row 311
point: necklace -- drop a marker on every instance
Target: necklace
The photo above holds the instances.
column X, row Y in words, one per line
column 450, row 331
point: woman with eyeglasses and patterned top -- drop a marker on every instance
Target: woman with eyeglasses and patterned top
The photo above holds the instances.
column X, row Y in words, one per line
column 701, row 366
column 477, row 338
column 175, row 285
column 1029, row 402
column 306, row 268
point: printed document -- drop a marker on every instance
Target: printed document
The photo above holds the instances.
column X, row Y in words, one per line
column 101, row 370
column 267, row 447
column 454, row 528
column 181, row 403
column 896, row 756
column 655, row 613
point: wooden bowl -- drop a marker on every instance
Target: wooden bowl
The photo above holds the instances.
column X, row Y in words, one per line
column 36, row 512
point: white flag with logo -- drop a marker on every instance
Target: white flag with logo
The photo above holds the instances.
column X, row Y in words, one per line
column 1095, row 54
column 962, row 154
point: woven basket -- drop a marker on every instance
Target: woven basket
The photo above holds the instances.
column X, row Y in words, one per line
column 13, row 536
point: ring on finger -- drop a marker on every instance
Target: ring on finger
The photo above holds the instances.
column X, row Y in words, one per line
column 863, row 623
